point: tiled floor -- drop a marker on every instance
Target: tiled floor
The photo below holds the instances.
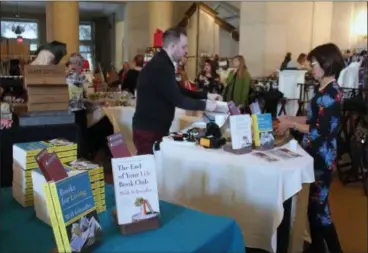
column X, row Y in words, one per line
column 349, row 211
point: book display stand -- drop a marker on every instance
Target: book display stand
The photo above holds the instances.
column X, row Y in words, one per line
column 119, row 149
column 241, row 151
column 137, row 227
column 264, row 148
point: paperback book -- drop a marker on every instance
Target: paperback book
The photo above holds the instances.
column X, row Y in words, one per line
column 73, row 214
column 135, row 186
column 263, row 130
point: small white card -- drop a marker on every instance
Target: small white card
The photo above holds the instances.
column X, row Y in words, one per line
column 241, row 131
column 135, row 186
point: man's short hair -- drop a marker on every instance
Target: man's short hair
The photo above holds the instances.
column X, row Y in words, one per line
column 329, row 58
column 172, row 35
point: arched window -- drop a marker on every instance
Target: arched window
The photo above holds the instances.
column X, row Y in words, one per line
column 86, row 42
column 30, row 32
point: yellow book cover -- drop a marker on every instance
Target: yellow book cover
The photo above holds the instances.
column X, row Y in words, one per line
column 101, row 209
column 84, row 165
column 97, row 177
column 60, row 145
column 53, row 220
column 63, row 154
column 99, row 190
column 263, row 130
column 30, row 149
column 32, row 166
column 76, row 212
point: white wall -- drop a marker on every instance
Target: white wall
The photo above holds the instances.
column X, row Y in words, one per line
column 344, row 21
column 214, row 40
column 270, row 29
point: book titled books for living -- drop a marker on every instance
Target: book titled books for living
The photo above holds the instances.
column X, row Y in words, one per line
column 263, row 130
column 135, row 186
column 73, row 213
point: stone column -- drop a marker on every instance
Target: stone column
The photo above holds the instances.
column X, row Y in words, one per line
column 160, row 17
column 62, row 24
column 119, row 37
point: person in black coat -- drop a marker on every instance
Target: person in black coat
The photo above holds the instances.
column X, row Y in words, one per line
column 131, row 78
column 158, row 94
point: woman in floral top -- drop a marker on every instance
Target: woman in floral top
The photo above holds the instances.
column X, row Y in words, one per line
column 320, row 129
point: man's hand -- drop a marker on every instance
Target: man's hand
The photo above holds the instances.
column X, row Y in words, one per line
column 210, row 105
column 212, row 96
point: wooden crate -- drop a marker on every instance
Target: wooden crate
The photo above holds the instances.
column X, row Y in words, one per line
column 44, row 75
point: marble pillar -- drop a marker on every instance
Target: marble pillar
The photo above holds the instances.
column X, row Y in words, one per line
column 119, row 36
column 160, row 17
column 62, row 24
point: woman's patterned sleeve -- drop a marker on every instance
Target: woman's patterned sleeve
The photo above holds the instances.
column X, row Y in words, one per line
column 328, row 118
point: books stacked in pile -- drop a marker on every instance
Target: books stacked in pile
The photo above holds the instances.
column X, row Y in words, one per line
column 97, row 179
column 72, row 210
column 78, row 166
column 24, row 162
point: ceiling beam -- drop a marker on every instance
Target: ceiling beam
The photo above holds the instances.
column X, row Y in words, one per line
column 229, row 7
column 217, row 6
column 231, row 17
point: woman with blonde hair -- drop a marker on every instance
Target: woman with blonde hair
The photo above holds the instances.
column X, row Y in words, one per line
column 238, row 83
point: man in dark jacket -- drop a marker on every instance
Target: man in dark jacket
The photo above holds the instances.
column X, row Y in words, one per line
column 158, row 94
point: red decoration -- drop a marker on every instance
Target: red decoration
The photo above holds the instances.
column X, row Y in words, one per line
column 20, row 39
column 157, row 38
column 85, row 65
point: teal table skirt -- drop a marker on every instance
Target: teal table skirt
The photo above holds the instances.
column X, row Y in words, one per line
column 183, row 230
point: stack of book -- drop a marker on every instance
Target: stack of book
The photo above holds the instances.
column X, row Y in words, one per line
column 46, row 87
column 24, row 162
column 73, row 214
column 97, row 179
column 22, row 186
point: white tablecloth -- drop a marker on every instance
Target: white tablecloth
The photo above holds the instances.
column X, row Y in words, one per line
column 122, row 118
column 243, row 187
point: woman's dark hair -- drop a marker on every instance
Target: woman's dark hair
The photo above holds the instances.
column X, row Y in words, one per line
column 139, row 60
column 288, row 56
column 58, row 49
column 286, row 61
column 213, row 66
column 329, row 58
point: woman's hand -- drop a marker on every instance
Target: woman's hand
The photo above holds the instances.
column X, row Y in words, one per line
column 284, row 117
column 284, row 125
column 201, row 78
